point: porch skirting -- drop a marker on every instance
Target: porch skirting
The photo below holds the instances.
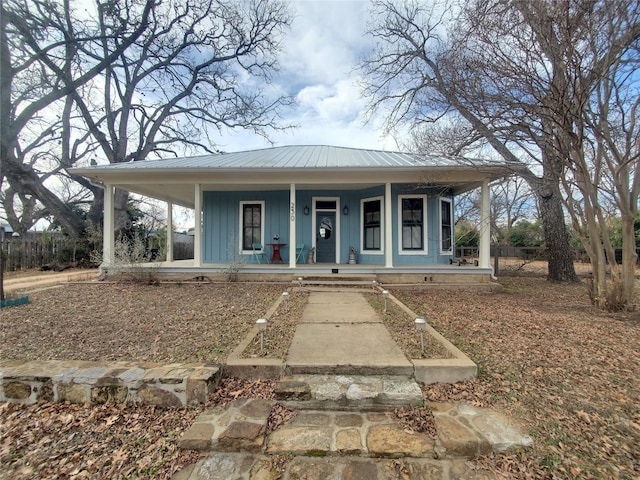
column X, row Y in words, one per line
column 436, row 275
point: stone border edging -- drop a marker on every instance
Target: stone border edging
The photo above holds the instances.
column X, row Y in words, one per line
column 170, row 385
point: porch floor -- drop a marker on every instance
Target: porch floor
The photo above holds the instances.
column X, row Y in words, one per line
column 407, row 274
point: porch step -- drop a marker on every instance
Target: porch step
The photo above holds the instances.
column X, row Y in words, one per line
column 241, row 428
column 334, row 279
column 343, row 392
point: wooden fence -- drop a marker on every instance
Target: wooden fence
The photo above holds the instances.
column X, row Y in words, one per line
column 36, row 251
column 529, row 253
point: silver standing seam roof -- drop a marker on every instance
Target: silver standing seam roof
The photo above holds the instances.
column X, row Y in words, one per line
column 301, row 157
column 319, row 167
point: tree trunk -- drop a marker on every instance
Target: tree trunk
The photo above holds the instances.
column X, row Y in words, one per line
column 121, row 219
column 27, row 181
column 556, row 237
column 629, row 259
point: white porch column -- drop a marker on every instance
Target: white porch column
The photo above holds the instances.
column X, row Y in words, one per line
column 485, row 226
column 388, row 228
column 292, row 226
column 108, row 241
column 169, row 245
column 197, row 239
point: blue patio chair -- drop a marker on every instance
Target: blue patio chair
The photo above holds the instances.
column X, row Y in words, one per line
column 299, row 252
column 258, row 251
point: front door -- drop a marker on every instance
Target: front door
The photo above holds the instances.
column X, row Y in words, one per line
column 326, row 237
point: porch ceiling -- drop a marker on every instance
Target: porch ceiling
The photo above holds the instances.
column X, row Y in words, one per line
column 179, row 187
column 183, row 193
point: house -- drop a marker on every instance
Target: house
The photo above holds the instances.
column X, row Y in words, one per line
column 269, row 210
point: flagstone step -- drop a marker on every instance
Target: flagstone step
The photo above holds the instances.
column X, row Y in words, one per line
column 463, row 431
column 238, row 466
column 347, row 392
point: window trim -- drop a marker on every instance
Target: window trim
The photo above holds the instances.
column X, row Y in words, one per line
column 425, row 237
column 451, row 225
column 382, row 225
column 241, row 224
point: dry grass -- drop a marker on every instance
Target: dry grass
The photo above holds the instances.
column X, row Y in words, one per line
column 567, row 372
column 161, row 323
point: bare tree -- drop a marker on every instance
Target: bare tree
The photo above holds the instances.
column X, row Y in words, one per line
column 603, row 172
column 418, row 73
column 200, row 64
column 572, row 77
column 34, row 39
column 552, row 80
column 511, row 198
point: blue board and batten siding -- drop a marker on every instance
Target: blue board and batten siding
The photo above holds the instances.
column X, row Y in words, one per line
column 221, row 223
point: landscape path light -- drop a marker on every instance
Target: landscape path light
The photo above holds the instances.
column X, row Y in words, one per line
column 373, row 285
column 262, row 326
column 285, row 295
column 300, row 281
column 385, row 295
column 421, row 325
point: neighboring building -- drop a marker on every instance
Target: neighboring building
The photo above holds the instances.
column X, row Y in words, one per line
column 394, row 210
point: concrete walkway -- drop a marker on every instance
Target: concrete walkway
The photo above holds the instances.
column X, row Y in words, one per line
column 340, row 333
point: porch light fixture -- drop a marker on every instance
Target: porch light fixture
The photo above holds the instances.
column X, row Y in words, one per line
column 285, row 296
column 262, row 326
column 345, row 210
column 385, row 295
column 421, row 325
column 305, row 210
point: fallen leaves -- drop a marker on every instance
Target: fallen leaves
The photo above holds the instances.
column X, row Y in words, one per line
column 569, row 374
column 564, row 371
column 78, row 441
column 279, row 416
column 281, row 328
column 416, row 419
column 159, row 323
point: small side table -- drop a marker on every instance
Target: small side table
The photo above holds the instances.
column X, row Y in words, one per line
column 275, row 256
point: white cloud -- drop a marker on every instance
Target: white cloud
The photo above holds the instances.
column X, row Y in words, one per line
column 319, row 60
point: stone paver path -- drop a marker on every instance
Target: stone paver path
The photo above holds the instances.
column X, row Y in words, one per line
column 346, row 444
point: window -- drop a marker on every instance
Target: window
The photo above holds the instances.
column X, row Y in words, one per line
column 251, row 214
column 412, row 222
column 326, row 204
column 372, row 224
column 446, row 226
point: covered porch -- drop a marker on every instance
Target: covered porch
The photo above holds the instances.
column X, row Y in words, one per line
column 355, row 213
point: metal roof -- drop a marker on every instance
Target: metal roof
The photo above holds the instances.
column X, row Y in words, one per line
column 301, row 157
column 308, row 167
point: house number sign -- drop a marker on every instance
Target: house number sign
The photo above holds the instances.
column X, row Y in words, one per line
column 293, row 211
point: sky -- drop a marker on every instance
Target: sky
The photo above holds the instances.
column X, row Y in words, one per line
column 318, row 67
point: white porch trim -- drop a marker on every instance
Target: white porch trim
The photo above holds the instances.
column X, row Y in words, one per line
column 169, row 245
column 108, row 232
column 485, row 226
column 388, row 228
column 292, row 226
column 197, row 238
